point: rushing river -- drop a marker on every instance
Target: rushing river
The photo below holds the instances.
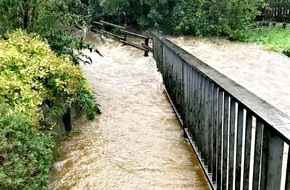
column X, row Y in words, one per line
column 137, row 142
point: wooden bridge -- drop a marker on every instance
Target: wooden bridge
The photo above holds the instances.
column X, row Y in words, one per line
column 242, row 142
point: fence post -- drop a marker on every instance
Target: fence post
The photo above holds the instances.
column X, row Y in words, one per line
column 126, row 27
column 146, row 45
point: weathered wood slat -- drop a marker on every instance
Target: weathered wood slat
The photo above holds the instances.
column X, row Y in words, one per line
column 114, row 35
column 192, row 82
column 240, row 126
column 248, row 143
column 147, row 47
column 185, row 71
column 194, row 102
column 215, row 133
column 204, row 119
column 219, row 138
column 232, row 134
column 98, row 23
column 134, row 34
column 225, row 141
column 272, row 157
column 197, row 109
column 97, row 31
column 111, row 24
column 133, row 44
column 258, row 154
column 210, row 115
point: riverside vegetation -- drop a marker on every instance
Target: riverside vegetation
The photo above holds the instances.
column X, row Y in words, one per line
column 31, row 73
column 39, row 66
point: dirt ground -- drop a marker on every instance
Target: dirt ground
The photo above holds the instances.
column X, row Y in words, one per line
column 262, row 72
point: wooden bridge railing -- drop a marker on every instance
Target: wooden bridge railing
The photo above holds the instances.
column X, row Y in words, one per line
column 241, row 140
column 100, row 27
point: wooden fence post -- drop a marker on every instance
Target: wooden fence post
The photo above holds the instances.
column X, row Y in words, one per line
column 147, row 45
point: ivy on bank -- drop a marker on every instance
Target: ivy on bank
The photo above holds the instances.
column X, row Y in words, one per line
column 31, row 73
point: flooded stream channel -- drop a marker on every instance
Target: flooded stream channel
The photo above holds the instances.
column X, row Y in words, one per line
column 137, row 142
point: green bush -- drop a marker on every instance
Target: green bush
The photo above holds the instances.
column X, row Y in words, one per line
column 25, row 152
column 31, row 73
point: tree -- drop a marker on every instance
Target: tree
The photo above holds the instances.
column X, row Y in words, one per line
column 215, row 17
column 52, row 19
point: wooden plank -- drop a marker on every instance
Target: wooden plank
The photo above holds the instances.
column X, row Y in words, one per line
column 200, row 114
column 147, row 47
column 232, row 156
column 258, row 154
column 219, row 139
column 111, row 24
column 133, row 44
column 272, row 158
column 98, row 23
column 192, row 79
column 225, row 141
column 274, row 172
column 210, row 124
column 240, row 126
column 247, row 157
column 197, row 110
column 185, row 94
column 114, row 35
column 215, row 133
column 206, row 115
column 180, row 86
column 134, row 34
column 97, row 31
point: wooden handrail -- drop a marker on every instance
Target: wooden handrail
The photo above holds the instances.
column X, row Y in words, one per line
column 115, row 35
column 135, row 34
column 98, row 23
column 114, row 25
column 143, row 46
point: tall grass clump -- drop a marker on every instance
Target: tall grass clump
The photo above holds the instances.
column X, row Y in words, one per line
column 271, row 38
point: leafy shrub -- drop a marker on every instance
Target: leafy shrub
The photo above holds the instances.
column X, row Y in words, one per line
column 86, row 99
column 31, row 73
column 25, row 152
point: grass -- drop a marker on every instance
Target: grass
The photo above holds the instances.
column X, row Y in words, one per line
column 271, row 38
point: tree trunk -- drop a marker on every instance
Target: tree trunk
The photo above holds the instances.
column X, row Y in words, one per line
column 25, row 13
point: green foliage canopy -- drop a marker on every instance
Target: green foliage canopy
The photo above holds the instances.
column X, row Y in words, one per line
column 51, row 19
column 213, row 17
column 203, row 17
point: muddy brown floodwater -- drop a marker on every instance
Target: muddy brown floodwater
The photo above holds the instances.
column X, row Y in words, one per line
column 265, row 73
column 137, row 142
